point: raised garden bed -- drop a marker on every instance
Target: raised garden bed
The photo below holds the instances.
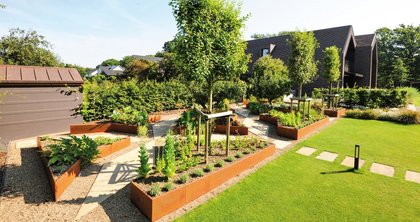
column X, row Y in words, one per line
column 106, row 150
column 100, row 127
column 59, row 183
column 293, row 133
column 268, row 119
column 234, row 130
column 157, row 207
column 335, row 113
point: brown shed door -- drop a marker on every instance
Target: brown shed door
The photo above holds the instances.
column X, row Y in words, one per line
column 32, row 111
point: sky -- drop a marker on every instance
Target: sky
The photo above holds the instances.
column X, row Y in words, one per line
column 86, row 32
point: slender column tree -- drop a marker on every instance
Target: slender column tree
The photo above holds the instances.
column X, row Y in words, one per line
column 331, row 67
column 302, row 65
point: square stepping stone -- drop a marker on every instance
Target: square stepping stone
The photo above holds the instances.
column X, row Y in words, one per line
column 412, row 176
column 306, row 151
column 349, row 162
column 382, row 169
column 280, row 144
column 327, row 156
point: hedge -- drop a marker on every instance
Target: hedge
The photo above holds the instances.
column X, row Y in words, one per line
column 101, row 98
column 372, row 98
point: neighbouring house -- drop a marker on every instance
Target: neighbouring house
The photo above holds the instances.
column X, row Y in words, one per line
column 148, row 58
column 38, row 100
column 359, row 55
column 107, row 70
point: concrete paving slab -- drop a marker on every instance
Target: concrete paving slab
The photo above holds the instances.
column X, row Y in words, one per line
column 26, row 143
column 382, row 169
column 349, row 162
column 327, row 156
column 161, row 128
column 306, row 151
column 280, row 144
column 412, row 176
column 242, row 112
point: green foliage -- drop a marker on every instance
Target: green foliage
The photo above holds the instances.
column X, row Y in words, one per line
column 209, row 168
column 110, row 62
column 402, row 116
column 413, row 95
column 169, row 157
column 270, row 78
column 184, row 178
column 102, row 140
column 142, row 130
column 259, row 108
column 188, row 120
column 168, row 186
column 27, row 48
column 102, row 97
column 302, row 65
column 269, row 35
column 143, row 69
column 295, row 119
column 125, row 62
column 144, row 167
column 160, row 164
column 130, row 116
column 219, row 163
column 68, row 150
column 239, row 155
column 208, row 46
column 231, row 90
column 331, row 64
column 399, row 59
column 230, row 159
column 197, row 172
column 372, row 98
column 154, row 190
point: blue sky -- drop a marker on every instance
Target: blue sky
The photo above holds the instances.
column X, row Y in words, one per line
column 86, row 32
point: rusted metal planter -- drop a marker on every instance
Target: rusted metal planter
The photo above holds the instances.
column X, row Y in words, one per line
column 335, row 113
column 293, row 133
column 100, row 127
column 158, row 207
column 234, row 130
column 106, row 150
column 268, row 119
column 59, row 184
column 154, row 118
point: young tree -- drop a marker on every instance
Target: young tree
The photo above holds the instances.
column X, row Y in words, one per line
column 208, row 45
column 144, row 167
column 331, row 65
column 270, row 79
column 29, row 48
column 302, row 65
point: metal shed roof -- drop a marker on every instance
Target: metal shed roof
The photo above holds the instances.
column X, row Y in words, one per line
column 37, row 75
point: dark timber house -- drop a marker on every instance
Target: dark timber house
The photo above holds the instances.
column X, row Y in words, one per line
column 359, row 55
column 37, row 100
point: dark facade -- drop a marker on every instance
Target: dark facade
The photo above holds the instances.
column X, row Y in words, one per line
column 37, row 100
column 358, row 55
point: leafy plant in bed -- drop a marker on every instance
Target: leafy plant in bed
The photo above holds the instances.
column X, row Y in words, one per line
column 132, row 117
column 188, row 175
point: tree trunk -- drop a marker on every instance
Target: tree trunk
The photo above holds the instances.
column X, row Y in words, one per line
column 329, row 98
column 210, row 110
column 300, row 90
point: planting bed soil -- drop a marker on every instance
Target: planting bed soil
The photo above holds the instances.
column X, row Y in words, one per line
column 181, row 194
column 335, row 113
column 293, row 133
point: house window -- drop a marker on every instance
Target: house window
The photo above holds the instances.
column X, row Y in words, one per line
column 264, row 52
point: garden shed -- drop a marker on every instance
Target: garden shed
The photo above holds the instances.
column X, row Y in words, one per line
column 37, row 100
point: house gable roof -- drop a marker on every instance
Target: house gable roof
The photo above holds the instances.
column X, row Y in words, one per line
column 148, row 58
column 366, row 40
column 37, row 75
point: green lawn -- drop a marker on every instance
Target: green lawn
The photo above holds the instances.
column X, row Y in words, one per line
column 294, row 188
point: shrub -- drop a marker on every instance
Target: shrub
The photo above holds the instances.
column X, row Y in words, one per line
column 101, row 98
column 198, row 172
column 184, row 178
column 361, row 114
column 239, row 155
column 230, row 159
column 209, row 168
column 400, row 116
column 130, row 116
column 219, row 163
column 168, row 186
column 144, row 167
column 247, row 151
column 295, row 119
column 142, row 130
column 408, row 117
column 160, row 164
column 154, row 190
column 231, row 90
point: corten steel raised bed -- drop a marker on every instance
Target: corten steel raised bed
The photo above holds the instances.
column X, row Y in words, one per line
column 335, row 113
column 293, row 133
column 234, row 130
column 106, row 150
column 100, row 127
column 59, row 184
column 268, row 119
column 155, row 208
column 154, row 118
